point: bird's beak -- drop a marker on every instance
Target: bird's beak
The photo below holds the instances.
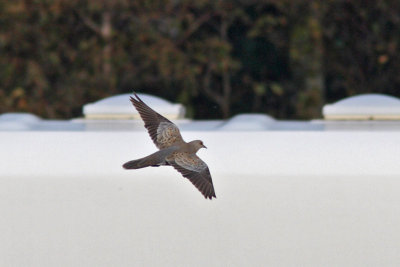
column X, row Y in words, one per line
column 204, row 146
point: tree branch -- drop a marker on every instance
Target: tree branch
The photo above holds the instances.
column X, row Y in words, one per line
column 207, row 86
column 90, row 23
column 193, row 27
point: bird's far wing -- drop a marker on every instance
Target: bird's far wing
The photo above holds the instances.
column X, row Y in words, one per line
column 196, row 170
column 162, row 131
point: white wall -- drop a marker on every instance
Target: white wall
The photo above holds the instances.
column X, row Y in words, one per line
column 77, row 154
column 284, row 199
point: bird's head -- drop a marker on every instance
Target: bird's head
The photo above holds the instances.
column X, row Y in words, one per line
column 197, row 144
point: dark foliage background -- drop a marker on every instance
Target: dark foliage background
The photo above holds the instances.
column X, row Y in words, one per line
column 219, row 58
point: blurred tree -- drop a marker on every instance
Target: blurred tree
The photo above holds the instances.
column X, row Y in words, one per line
column 219, row 58
column 362, row 42
column 306, row 57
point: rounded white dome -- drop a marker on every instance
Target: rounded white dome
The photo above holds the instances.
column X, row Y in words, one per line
column 366, row 106
column 248, row 122
column 120, row 107
column 17, row 121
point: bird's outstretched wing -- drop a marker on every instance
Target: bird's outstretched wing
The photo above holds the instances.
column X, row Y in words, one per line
column 196, row 170
column 162, row 131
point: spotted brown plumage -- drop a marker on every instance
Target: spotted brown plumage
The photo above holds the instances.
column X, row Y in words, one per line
column 162, row 131
column 173, row 150
column 196, row 170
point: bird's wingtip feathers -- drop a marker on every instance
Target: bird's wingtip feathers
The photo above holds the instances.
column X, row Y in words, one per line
column 210, row 196
column 137, row 97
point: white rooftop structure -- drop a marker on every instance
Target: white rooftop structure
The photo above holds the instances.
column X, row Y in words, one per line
column 119, row 107
column 364, row 107
column 248, row 122
column 17, row 121
column 289, row 193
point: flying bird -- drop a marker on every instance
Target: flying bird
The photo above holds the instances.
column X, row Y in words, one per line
column 173, row 150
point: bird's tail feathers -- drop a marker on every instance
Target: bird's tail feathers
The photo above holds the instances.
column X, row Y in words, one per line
column 136, row 164
column 156, row 159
